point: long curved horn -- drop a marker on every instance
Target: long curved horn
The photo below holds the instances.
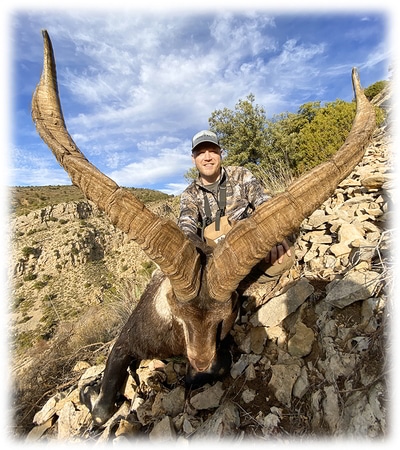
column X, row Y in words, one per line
column 161, row 239
column 251, row 239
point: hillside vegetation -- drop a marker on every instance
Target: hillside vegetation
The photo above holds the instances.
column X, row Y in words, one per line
column 24, row 199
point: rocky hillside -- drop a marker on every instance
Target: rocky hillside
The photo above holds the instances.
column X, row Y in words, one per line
column 311, row 352
column 24, row 199
column 65, row 258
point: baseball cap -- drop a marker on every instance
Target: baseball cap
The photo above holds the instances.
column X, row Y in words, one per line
column 204, row 136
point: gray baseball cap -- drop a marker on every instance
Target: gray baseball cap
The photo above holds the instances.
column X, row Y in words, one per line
column 204, row 136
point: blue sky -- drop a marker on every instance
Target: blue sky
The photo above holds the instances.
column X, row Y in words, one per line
column 136, row 85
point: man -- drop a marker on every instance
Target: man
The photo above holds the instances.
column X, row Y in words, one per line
column 230, row 193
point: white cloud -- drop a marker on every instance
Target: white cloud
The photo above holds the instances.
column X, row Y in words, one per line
column 154, row 75
column 30, row 168
column 246, row 37
column 152, row 170
column 129, row 81
column 175, row 188
column 39, row 177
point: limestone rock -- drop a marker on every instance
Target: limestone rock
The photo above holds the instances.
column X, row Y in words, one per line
column 354, row 286
column 223, row 424
column 163, row 431
column 278, row 308
column 301, row 342
column 283, row 379
column 209, row 398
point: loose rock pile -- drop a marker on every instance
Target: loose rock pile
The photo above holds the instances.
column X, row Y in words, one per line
column 310, row 352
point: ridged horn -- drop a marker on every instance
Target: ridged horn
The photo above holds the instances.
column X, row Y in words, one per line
column 161, row 239
column 251, row 239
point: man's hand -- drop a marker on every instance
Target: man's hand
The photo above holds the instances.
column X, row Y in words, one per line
column 276, row 254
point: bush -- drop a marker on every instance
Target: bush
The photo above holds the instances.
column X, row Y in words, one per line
column 26, row 251
column 320, row 138
column 30, row 276
column 40, row 284
column 17, row 302
column 373, row 90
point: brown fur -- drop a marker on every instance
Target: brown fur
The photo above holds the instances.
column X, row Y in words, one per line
column 189, row 329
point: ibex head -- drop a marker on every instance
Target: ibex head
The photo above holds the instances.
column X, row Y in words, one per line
column 204, row 321
column 199, row 292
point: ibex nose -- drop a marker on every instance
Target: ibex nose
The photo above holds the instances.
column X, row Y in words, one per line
column 200, row 364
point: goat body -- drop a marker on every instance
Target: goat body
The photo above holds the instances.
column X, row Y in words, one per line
column 160, row 327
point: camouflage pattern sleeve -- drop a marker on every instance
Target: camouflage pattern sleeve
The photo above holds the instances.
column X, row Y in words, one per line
column 244, row 193
column 189, row 215
column 255, row 192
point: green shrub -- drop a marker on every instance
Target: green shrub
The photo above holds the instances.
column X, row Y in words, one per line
column 148, row 268
column 49, row 297
column 26, row 251
column 30, row 276
column 17, row 302
column 373, row 90
column 40, row 284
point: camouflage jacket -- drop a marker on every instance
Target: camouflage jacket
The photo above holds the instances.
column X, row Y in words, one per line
column 243, row 194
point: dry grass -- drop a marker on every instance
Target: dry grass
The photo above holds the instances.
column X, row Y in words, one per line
column 86, row 339
column 276, row 179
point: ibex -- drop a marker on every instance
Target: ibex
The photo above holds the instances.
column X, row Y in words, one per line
column 191, row 305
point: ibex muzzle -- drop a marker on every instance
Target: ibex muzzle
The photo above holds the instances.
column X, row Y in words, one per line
column 190, row 306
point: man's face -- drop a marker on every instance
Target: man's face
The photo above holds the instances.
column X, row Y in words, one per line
column 207, row 159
